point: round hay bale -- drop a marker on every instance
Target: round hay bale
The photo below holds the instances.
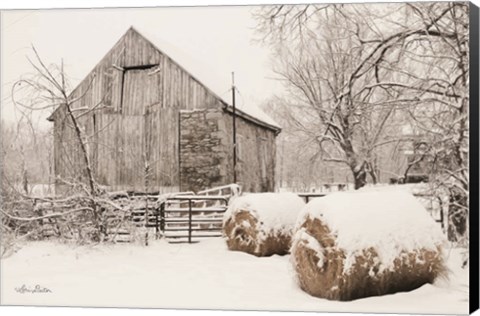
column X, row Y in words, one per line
column 262, row 224
column 359, row 244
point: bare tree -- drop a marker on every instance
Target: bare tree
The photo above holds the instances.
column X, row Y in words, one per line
column 47, row 88
column 443, row 117
column 299, row 166
column 327, row 68
column 22, row 140
column 353, row 71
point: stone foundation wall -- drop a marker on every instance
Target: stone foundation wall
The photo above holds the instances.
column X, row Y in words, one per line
column 203, row 150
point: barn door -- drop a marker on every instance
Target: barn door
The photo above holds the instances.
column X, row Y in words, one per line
column 161, row 147
column 148, row 134
column 141, row 90
column 133, row 130
column 129, row 148
column 136, row 152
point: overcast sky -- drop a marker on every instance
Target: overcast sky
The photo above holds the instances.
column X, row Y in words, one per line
column 211, row 42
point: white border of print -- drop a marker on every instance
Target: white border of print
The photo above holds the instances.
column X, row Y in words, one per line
column 75, row 311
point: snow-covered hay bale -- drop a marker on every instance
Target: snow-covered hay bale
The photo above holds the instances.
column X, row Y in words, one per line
column 351, row 245
column 262, row 224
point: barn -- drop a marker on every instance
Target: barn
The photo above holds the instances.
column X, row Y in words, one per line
column 149, row 124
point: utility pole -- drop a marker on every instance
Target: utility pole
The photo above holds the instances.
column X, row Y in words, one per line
column 234, row 131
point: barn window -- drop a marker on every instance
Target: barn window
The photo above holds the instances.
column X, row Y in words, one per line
column 137, row 95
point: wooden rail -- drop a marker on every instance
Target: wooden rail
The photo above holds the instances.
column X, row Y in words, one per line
column 188, row 216
column 225, row 190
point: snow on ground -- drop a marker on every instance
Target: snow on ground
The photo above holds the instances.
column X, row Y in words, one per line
column 203, row 275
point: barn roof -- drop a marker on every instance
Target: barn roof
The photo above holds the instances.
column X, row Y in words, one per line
column 202, row 74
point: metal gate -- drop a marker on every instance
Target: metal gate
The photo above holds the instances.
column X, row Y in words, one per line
column 184, row 218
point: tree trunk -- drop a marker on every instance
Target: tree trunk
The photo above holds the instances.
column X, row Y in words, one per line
column 457, row 216
column 373, row 173
column 83, row 148
column 374, row 176
column 359, row 176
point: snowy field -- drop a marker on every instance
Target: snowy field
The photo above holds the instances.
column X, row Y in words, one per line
column 204, row 275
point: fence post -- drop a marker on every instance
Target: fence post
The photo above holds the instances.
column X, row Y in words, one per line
column 189, row 221
column 441, row 212
column 162, row 217
column 157, row 232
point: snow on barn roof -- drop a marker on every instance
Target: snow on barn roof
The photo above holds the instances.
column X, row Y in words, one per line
column 201, row 71
column 203, row 74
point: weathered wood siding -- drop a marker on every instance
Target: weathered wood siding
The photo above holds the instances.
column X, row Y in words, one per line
column 256, row 155
column 138, row 93
column 69, row 161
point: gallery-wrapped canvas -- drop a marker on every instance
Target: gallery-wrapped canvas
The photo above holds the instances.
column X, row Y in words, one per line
column 259, row 156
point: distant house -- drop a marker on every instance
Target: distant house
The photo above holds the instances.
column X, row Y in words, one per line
column 412, row 159
column 154, row 120
column 418, row 162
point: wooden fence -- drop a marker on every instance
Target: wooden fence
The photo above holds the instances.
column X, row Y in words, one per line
column 180, row 217
column 185, row 217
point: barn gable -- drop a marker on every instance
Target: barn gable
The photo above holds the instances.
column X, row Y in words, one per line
column 137, row 92
column 132, row 63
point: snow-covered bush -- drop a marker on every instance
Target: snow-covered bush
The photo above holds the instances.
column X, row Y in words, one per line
column 262, row 224
column 351, row 245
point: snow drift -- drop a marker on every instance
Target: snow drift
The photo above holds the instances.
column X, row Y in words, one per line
column 262, row 224
column 351, row 245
